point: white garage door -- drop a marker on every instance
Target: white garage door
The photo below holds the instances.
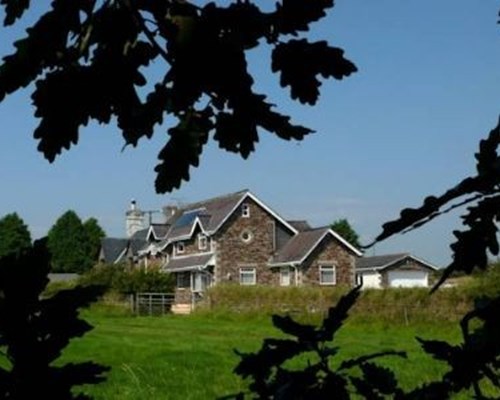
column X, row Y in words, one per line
column 407, row 278
column 371, row 280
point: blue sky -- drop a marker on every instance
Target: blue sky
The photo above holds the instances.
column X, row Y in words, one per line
column 405, row 126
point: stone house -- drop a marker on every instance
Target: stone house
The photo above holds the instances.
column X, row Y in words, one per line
column 238, row 239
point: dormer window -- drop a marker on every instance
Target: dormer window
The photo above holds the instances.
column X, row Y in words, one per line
column 245, row 210
column 202, row 242
column 180, row 247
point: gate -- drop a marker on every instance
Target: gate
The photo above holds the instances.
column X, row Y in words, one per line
column 153, row 303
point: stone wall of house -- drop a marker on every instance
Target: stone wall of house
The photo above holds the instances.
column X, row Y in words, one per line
column 183, row 296
column 330, row 252
column 246, row 242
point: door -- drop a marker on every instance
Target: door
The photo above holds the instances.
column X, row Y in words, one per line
column 285, row 276
column 201, row 281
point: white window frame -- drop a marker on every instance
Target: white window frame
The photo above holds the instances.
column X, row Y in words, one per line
column 283, row 282
column 248, row 271
column 202, row 241
column 245, row 210
column 180, row 248
column 327, row 268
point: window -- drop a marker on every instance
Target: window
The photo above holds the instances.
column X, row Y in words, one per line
column 327, row 275
column 246, row 236
column 183, row 280
column 285, row 276
column 247, row 276
column 245, row 210
column 202, row 242
column 179, row 247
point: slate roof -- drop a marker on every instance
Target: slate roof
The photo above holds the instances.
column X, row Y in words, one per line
column 299, row 246
column 211, row 213
column 140, row 235
column 301, row 225
column 196, row 262
column 111, row 248
column 159, row 230
column 114, row 249
column 386, row 260
column 136, row 245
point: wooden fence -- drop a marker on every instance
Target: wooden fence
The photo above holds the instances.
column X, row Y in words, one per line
column 152, row 303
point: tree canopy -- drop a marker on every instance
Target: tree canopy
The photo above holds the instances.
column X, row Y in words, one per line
column 68, row 244
column 344, row 229
column 97, row 52
column 14, row 235
column 94, row 234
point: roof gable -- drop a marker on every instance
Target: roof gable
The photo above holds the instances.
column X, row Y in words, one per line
column 210, row 215
column 158, row 231
column 388, row 260
column 303, row 244
column 115, row 250
column 248, row 195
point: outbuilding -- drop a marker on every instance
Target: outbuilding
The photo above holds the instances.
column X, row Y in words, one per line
column 393, row 270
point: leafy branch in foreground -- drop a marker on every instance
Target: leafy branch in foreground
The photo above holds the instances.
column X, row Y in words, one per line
column 482, row 192
column 475, row 363
column 97, row 53
column 272, row 377
column 35, row 330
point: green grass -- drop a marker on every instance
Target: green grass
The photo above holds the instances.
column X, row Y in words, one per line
column 191, row 357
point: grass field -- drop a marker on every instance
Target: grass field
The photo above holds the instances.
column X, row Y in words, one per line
column 191, row 357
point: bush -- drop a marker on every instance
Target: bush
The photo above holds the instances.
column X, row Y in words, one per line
column 121, row 279
column 388, row 305
column 486, row 283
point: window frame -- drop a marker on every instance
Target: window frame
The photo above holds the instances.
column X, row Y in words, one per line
column 327, row 267
column 183, row 277
column 180, row 248
column 202, row 238
column 246, row 271
column 245, row 210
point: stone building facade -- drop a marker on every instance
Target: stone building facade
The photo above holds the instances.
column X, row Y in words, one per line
column 238, row 239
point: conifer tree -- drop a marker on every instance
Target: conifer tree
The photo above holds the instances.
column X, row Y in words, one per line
column 14, row 235
column 67, row 243
column 344, row 229
column 95, row 234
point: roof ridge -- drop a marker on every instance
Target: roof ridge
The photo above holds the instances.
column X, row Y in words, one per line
column 389, row 255
column 201, row 202
column 317, row 228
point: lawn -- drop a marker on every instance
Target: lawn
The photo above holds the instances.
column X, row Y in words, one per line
column 191, row 357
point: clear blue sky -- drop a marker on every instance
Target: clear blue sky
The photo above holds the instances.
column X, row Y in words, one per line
column 405, row 126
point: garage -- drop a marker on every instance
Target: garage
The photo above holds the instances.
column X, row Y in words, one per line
column 371, row 279
column 407, row 278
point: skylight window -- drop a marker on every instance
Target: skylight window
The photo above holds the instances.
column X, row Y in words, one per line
column 188, row 218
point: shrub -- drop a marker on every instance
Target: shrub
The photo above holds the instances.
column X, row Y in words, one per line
column 121, row 279
column 388, row 305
